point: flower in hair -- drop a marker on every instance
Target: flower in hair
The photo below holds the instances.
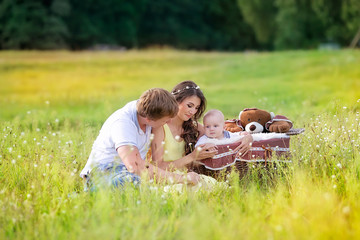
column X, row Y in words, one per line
column 186, row 88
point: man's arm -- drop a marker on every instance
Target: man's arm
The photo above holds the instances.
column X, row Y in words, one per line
column 130, row 156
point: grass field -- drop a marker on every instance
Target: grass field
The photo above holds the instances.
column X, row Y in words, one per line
column 53, row 104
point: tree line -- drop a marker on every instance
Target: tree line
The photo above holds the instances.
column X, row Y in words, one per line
column 224, row 25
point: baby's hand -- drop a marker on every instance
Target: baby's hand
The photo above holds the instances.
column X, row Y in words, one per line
column 243, row 133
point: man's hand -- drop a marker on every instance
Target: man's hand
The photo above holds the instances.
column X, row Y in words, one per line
column 245, row 145
column 192, row 178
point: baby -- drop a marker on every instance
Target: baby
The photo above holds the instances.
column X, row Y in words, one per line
column 214, row 123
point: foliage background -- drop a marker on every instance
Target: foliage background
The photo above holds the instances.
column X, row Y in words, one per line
column 224, row 25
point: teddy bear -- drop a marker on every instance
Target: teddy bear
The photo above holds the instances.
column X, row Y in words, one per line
column 255, row 120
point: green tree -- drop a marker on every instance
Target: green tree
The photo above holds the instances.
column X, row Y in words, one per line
column 203, row 25
column 260, row 14
column 107, row 22
column 351, row 17
column 176, row 23
column 298, row 26
column 229, row 31
column 330, row 15
column 33, row 25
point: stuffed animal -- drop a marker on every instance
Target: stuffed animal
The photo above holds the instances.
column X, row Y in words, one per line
column 255, row 120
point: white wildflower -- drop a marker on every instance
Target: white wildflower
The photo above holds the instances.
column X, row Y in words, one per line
column 346, row 210
column 13, row 161
column 153, row 188
column 56, row 120
column 339, row 165
column 47, row 102
column 278, row 228
column 35, row 165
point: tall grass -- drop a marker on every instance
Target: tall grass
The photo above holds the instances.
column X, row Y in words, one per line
column 44, row 145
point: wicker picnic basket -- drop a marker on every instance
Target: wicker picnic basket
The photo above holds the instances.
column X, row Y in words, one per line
column 264, row 147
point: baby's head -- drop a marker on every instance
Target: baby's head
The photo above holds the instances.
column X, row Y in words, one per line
column 214, row 123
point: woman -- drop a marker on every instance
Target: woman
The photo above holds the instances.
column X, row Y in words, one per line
column 173, row 143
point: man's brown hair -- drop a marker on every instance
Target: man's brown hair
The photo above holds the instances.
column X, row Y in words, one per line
column 157, row 103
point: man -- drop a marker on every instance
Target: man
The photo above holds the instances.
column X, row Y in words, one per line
column 118, row 153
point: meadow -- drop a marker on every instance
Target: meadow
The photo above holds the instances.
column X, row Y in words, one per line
column 53, row 104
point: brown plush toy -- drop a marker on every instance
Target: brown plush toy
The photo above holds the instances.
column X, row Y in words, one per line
column 255, row 120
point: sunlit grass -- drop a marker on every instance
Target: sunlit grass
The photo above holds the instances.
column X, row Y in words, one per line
column 104, row 81
column 53, row 105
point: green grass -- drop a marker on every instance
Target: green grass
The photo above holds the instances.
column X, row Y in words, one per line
column 52, row 106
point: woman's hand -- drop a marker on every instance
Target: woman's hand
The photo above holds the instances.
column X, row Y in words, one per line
column 245, row 145
column 203, row 151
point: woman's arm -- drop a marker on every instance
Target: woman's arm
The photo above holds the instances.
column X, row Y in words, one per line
column 157, row 150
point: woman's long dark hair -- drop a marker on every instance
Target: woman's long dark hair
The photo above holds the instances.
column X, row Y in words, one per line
column 190, row 132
